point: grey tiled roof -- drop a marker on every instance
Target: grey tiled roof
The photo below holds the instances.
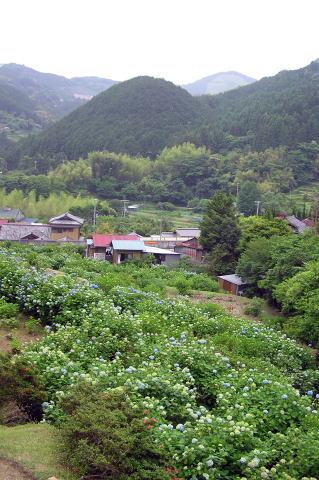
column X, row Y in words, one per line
column 17, row 231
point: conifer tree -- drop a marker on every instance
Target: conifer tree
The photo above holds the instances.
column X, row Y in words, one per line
column 220, row 234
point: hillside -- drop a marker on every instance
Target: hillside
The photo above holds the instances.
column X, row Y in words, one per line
column 218, row 83
column 18, row 113
column 54, row 94
column 139, row 116
column 279, row 110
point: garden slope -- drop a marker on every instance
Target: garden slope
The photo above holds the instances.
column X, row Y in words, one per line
column 229, row 399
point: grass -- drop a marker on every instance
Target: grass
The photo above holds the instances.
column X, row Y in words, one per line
column 34, row 447
column 305, row 194
column 180, row 217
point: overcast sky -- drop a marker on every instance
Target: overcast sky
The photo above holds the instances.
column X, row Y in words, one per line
column 179, row 40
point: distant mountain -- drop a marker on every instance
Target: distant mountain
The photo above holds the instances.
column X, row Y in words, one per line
column 139, row 116
column 55, row 95
column 218, row 83
column 278, row 110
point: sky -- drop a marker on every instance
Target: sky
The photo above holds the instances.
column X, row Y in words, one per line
column 179, row 40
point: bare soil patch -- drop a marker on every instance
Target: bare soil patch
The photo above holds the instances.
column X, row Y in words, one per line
column 10, row 470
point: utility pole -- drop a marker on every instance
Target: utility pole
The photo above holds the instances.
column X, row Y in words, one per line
column 94, row 212
column 161, row 225
column 124, row 208
column 257, row 202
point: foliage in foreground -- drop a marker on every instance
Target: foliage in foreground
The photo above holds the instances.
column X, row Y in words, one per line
column 231, row 399
column 105, row 437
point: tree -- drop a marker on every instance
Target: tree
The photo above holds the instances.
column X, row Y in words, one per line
column 249, row 194
column 255, row 262
column 220, row 233
column 261, row 227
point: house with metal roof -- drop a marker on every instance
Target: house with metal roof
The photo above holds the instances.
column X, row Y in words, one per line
column 119, row 248
column 232, row 284
column 123, row 250
column 191, row 249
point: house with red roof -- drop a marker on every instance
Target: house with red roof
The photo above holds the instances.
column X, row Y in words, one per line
column 99, row 245
column 120, row 248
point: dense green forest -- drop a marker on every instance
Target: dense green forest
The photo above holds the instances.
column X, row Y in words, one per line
column 279, row 110
column 183, row 175
column 139, row 117
column 129, row 142
column 143, row 115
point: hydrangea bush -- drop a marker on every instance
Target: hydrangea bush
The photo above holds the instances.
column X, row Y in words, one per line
column 227, row 398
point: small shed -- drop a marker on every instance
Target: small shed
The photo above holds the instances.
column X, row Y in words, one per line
column 231, row 283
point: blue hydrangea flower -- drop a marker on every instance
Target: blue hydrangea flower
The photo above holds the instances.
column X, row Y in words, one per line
column 180, row 427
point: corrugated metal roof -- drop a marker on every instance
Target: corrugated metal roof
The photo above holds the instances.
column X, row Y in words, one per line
column 159, row 251
column 101, row 240
column 188, row 232
column 130, row 245
column 232, row 279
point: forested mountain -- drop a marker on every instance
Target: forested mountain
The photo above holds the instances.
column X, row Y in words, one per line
column 17, row 111
column 218, row 83
column 55, row 95
column 279, row 110
column 140, row 116
column 143, row 115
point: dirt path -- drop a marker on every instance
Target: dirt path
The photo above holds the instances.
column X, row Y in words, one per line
column 10, row 470
column 231, row 303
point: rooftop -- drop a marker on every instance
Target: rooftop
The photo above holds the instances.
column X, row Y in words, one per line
column 19, row 231
column 130, row 245
column 6, row 212
column 233, row 278
column 66, row 219
column 159, row 251
column 102, row 240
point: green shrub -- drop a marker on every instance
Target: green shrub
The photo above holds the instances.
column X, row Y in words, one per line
column 182, row 285
column 203, row 282
column 19, row 383
column 254, row 308
column 212, row 309
column 8, row 310
column 32, row 325
column 104, row 437
column 8, row 323
column 15, row 345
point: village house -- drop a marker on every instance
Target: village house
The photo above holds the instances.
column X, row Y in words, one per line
column 192, row 249
column 22, row 232
column 64, row 228
column 11, row 214
column 119, row 248
column 171, row 239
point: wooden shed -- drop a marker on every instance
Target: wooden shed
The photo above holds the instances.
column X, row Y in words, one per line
column 231, row 283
